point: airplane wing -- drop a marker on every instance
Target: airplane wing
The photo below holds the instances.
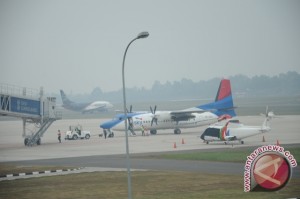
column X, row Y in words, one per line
column 186, row 114
column 189, row 110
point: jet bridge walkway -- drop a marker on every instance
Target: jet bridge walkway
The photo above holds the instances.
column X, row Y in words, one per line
column 36, row 111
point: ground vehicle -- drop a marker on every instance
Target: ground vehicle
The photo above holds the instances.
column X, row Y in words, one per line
column 76, row 132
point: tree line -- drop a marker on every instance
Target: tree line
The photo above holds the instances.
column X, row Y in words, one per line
column 284, row 84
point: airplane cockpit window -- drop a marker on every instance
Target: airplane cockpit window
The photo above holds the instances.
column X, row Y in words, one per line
column 214, row 132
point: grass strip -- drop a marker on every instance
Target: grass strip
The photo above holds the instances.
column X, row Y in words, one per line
column 146, row 184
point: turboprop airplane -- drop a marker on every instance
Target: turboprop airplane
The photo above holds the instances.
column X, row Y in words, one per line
column 234, row 130
column 100, row 106
column 221, row 108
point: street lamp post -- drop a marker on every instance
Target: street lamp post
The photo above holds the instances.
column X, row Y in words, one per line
column 140, row 36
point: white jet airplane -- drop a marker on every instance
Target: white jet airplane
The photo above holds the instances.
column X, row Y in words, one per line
column 100, row 106
column 221, row 108
column 234, row 130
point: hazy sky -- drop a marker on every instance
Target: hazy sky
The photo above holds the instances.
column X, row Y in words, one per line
column 79, row 45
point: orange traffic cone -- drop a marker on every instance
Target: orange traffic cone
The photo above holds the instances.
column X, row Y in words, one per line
column 174, row 146
column 182, row 141
column 263, row 140
column 277, row 143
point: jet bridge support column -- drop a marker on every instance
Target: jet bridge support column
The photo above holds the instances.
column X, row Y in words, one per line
column 24, row 127
column 41, row 104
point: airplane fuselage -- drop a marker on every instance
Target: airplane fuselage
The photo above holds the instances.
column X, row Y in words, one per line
column 89, row 107
column 232, row 132
column 164, row 121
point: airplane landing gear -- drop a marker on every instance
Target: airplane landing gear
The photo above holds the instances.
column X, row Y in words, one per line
column 177, row 131
column 111, row 135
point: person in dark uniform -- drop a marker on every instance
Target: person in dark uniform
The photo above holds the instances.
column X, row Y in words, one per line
column 59, row 136
column 105, row 133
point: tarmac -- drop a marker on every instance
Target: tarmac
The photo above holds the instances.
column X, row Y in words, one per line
column 285, row 130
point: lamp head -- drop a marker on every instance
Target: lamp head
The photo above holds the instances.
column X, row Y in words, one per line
column 142, row 35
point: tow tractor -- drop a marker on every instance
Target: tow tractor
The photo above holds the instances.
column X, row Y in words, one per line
column 76, row 132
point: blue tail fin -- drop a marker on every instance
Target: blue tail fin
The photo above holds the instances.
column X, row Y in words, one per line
column 223, row 104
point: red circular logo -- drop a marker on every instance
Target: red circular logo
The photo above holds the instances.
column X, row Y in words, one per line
column 271, row 171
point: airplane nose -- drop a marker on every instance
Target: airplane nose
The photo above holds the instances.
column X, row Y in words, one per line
column 102, row 125
column 106, row 125
column 109, row 124
column 203, row 135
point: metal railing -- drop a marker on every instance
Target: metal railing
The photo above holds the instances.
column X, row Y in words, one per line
column 8, row 89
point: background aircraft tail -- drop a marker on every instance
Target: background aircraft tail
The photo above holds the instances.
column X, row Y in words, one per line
column 223, row 104
column 64, row 98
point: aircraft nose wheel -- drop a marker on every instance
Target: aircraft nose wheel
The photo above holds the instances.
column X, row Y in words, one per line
column 177, row 131
column 111, row 135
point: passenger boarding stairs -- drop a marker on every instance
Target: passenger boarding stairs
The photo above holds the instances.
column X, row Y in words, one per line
column 36, row 111
column 36, row 138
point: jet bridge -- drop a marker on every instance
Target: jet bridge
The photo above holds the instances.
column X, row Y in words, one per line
column 36, row 111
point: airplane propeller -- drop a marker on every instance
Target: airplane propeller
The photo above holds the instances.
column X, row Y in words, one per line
column 153, row 112
column 154, row 118
column 130, row 121
column 130, row 109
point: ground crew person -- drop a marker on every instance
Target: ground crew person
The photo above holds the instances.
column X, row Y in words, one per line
column 143, row 130
column 59, row 136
